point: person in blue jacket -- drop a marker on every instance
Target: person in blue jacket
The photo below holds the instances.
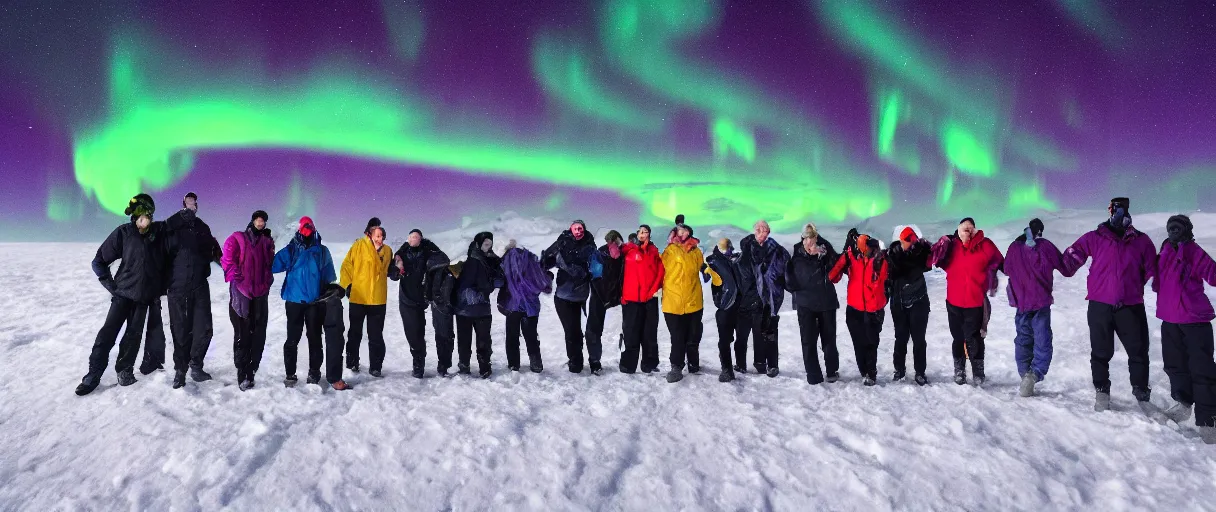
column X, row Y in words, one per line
column 309, row 268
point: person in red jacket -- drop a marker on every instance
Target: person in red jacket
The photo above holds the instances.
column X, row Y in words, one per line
column 970, row 261
column 639, row 306
column 865, row 264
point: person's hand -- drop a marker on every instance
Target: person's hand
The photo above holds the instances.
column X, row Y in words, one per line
column 400, row 264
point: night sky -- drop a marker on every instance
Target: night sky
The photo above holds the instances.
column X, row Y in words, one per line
column 615, row 111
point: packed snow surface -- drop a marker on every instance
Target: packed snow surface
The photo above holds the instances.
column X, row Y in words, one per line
column 559, row 441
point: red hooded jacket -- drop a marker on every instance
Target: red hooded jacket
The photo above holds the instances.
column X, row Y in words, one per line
column 867, row 284
column 970, row 268
column 643, row 272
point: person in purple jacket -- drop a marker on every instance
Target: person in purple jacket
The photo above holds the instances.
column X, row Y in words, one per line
column 1186, row 325
column 247, row 259
column 1124, row 261
column 1029, row 263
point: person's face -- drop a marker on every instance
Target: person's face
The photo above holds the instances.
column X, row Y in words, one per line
column 191, row 204
column 415, row 239
column 378, row 238
column 578, row 231
column 761, row 231
column 966, row 230
column 143, row 222
column 487, row 245
column 905, row 244
column 643, row 235
column 808, row 244
column 1174, row 230
column 259, row 223
column 682, row 234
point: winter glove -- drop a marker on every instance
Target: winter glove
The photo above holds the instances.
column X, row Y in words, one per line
column 348, row 289
column 703, row 267
column 1029, row 238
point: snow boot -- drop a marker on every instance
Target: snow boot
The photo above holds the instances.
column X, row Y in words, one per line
column 921, row 380
column 313, row 378
column 977, row 371
column 727, row 375
column 1027, row 387
column 486, row 373
column 179, row 379
column 1179, row 412
column 1142, row 394
column 197, row 373
column 833, row 377
column 739, row 368
column 1102, row 401
column 290, row 381
column 675, row 375
column 248, row 383
column 418, row 373
column 88, row 384
column 146, row 369
column 1208, row 434
column 126, row 378
column 537, row 367
column 899, row 375
column 597, row 369
column 693, row 370
column 463, row 368
column 341, row 385
column 761, row 368
column 376, row 373
column 960, row 371
column 773, row 371
column 869, row 380
column 443, row 372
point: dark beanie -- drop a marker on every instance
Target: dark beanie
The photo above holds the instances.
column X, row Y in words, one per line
column 1121, row 201
column 259, row 215
column 1183, row 224
column 371, row 223
column 966, row 220
column 1036, row 227
column 140, row 204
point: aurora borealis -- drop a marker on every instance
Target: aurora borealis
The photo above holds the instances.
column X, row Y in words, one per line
column 615, row 111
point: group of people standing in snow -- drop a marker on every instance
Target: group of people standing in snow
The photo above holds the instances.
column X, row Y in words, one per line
column 748, row 287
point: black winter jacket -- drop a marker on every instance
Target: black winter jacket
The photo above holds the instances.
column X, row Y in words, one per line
column 906, row 274
column 571, row 257
column 607, row 287
column 192, row 250
column 726, row 295
column 480, row 275
column 412, row 291
column 144, row 270
column 806, row 277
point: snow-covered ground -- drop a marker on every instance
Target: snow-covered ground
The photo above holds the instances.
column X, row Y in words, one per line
column 557, row 441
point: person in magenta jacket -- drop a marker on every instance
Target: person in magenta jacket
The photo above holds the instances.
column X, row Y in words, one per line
column 970, row 261
column 1030, row 262
column 1186, row 325
column 1124, row 261
column 248, row 256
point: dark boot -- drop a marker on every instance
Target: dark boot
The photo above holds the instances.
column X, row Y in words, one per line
column 179, row 379
column 536, row 366
column 314, row 378
column 977, row 371
column 197, row 373
column 419, row 366
column 899, row 375
column 463, row 368
column 88, row 384
column 126, row 378
column 675, row 375
column 727, row 375
column 960, row 371
column 146, row 369
column 596, row 369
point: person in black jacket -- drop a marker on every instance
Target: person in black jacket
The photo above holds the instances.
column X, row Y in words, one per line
column 909, row 258
column 766, row 259
column 139, row 281
column 726, row 281
column 335, row 342
column 607, row 276
column 412, row 270
column 480, row 275
column 440, row 288
column 192, row 250
column 571, row 254
column 806, row 277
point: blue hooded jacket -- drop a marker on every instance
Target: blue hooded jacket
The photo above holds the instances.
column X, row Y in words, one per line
column 309, row 268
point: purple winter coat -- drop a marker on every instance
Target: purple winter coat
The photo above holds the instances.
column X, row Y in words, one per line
column 1122, row 264
column 1179, row 283
column 1030, row 273
column 247, row 259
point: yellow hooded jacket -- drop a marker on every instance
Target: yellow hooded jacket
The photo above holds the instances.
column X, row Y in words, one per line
column 366, row 272
column 682, row 278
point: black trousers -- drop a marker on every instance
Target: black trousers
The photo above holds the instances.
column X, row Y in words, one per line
column 764, row 334
column 815, row 326
column 910, row 322
column 154, row 340
column 864, row 329
column 733, row 327
column 641, row 333
column 596, row 314
column 335, row 343
column 965, row 327
column 443, row 322
column 301, row 317
column 465, row 327
column 190, row 323
column 123, row 311
column 518, row 322
column 570, row 314
column 1187, row 351
column 686, row 333
column 413, row 321
column 375, row 334
column 249, row 337
column 1131, row 324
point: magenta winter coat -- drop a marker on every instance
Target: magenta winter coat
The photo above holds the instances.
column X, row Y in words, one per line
column 247, row 260
column 1179, row 283
column 1030, row 271
column 1122, row 265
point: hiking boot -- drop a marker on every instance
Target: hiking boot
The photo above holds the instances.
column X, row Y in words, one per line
column 596, row 368
column 341, row 385
column 960, row 371
column 126, row 378
column 814, row 379
column 833, row 377
column 727, row 375
column 179, row 379
column 418, row 373
column 1027, row 387
column 921, row 380
column 761, row 368
column 537, row 367
column 977, row 371
column 290, row 381
column 1142, row 394
column 197, row 373
column 463, row 368
column 1179, row 412
column 675, row 375
column 773, row 372
column 486, row 373
column 1208, row 434
column 693, row 370
column 249, row 382
column 313, row 378
column 898, row 376
column 145, row 369
column 1102, row 401
column 513, row 367
column 574, row 368
column 443, row 372
column 376, row 373
column 88, row 384
column 740, row 368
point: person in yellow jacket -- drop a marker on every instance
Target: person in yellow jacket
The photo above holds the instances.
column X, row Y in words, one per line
column 682, row 300
column 364, row 276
